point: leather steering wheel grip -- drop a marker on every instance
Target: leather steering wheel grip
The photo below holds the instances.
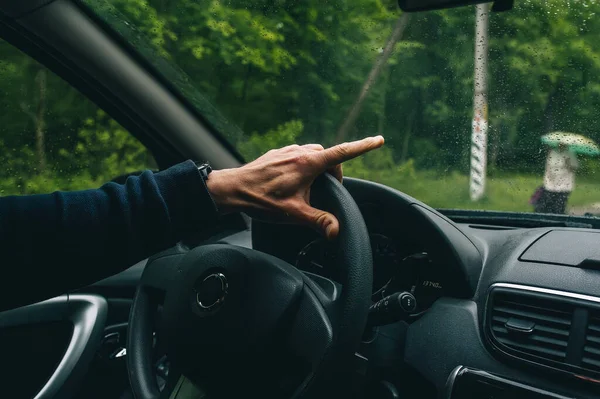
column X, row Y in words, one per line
column 139, row 339
column 356, row 261
column 355, row 256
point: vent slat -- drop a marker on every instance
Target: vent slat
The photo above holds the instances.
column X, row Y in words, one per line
column 593, row 339
column 539, row 308
column 550, row 330
column 591, row 350
column 595, row 364
column 530, row 315
column 534, row 337
column 538, row 328
column 534, row 349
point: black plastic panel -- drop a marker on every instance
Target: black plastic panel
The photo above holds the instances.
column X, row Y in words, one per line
column 583, row 247
column 87, row 315
column 17, row 8
column 449, row 335
column 34, row 351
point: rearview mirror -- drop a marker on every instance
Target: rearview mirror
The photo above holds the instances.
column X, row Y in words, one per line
column 425, row 5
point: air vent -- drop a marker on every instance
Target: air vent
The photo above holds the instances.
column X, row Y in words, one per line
column 591, row 349
column 532, row 325
column 545, row 327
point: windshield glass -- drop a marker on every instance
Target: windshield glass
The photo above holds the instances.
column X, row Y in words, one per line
column 468, row 117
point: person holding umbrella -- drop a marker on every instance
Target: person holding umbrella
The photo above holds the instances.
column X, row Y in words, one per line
column 561, row 165
column 559, row 180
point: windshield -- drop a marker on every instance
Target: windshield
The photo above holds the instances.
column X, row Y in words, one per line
column 468, row 117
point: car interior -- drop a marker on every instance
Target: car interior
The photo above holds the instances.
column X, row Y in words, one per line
column 409, row 302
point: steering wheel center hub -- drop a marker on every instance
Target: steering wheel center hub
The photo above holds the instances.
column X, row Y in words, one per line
column 227, row 305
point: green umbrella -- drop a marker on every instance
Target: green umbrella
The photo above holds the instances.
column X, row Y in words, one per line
column 576, row 142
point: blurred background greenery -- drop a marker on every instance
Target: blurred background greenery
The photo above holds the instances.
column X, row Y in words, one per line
column 268, row 73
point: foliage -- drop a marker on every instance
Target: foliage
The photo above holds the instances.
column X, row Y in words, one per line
column 258, row 144
column 105, row 150
column 287, row 72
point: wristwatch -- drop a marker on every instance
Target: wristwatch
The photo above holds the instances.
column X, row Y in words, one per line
column 204, row 169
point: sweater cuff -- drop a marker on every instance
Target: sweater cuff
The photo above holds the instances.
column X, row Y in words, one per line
column 188, row 201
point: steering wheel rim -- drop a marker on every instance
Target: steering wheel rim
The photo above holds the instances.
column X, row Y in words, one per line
column 323, row 326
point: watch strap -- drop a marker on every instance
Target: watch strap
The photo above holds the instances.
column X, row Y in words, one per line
column 204, row 169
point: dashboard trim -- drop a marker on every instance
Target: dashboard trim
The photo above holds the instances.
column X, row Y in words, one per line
column 541, row 290
column 450, row 383
column 492, row 380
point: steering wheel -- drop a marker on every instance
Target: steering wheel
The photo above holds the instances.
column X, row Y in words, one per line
column 236, row 321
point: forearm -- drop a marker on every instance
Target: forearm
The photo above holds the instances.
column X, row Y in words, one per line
column 57, row 242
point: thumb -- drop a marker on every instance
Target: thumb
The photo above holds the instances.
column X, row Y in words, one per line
column 320, row 220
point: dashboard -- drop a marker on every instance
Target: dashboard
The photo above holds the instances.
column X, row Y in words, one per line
column 503, row 311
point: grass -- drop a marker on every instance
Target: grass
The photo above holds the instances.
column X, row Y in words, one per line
column 450, row 190
column 503, row 193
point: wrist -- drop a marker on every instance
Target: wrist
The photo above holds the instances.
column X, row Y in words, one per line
column 221, row 185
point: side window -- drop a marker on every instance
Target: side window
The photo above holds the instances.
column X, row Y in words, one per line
column 52, row 137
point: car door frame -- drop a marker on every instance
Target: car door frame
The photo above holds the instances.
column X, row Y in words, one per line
column 71, row 42
column 67, row 38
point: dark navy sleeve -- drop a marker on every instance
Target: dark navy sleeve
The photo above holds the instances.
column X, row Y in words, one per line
column 53, row 243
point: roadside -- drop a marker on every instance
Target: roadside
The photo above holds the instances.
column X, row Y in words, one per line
column 503, row 193
column 586, row 210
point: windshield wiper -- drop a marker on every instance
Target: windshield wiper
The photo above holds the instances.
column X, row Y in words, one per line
column 518, row 219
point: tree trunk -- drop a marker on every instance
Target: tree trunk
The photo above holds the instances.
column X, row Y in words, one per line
column 381, row 120
column 496, row 134
column 372, row 77
column 407, row 135
column 244, row 95
column 40, row 122
column 549, row 110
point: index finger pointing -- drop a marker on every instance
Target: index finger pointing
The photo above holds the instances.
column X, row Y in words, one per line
column 347, row 151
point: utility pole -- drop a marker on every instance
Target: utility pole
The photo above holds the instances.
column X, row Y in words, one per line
column 480, row 106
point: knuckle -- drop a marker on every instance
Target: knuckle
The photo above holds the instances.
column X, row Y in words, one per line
column 343, row 149
column 303, row 159
column 321, row 218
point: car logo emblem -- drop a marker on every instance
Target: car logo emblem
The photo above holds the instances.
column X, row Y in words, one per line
column 211, row 292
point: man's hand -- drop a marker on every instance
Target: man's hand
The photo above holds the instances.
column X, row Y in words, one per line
column 276, row 186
